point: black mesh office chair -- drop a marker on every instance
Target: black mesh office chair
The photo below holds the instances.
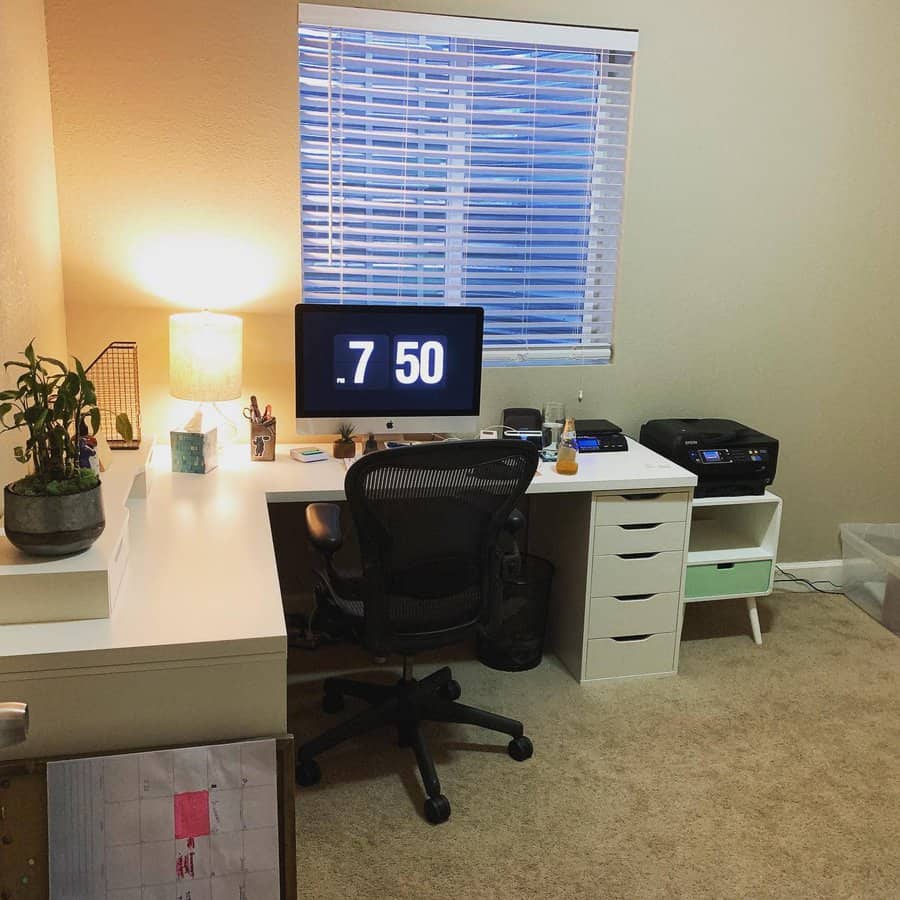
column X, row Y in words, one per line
column 428, row 520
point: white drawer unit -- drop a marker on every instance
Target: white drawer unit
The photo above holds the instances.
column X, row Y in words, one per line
column 632, row 614
column 652, row 654
column 644, row 538
column 640, row 509
column 637, row 573
column 619, row 556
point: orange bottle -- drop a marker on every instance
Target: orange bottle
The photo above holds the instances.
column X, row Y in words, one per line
column 567, row 453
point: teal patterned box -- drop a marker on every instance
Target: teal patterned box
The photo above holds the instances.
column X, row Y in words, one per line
column 193, row 452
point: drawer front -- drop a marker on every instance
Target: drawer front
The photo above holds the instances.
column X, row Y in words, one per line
column 638, row 538
column 614, row 576
column 727, row 578
column 640, row 509
column 638, row 614
column 611, row 658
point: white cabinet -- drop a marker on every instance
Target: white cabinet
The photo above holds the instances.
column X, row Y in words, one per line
column 620, row 560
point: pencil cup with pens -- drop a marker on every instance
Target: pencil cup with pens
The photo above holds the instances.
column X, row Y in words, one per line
column 262, row 431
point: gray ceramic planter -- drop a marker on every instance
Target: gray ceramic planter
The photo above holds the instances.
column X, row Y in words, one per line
column 53, row 526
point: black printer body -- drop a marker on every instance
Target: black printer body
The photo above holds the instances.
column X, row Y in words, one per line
column 729, row 459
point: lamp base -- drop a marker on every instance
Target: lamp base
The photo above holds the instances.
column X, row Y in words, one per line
column 211, row 416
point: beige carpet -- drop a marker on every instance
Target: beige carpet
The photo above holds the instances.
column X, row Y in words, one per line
column 756, row 772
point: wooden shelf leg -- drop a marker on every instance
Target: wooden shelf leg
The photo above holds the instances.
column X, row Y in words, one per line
column 754, row 620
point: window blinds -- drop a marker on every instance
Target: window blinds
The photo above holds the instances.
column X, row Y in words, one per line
column 440, row 166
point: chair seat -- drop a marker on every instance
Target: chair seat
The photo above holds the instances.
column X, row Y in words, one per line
column 412, row 614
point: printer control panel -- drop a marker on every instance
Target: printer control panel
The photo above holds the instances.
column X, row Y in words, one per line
column 729, row 455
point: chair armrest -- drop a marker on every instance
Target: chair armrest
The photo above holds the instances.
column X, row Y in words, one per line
column 323, row 523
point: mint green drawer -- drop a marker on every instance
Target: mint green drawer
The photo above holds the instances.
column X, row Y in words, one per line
column 738, row 578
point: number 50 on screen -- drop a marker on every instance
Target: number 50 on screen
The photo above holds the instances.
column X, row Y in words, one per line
column 375, row 362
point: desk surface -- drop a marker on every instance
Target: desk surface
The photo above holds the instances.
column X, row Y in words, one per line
column 638, row 469
column 201, row 580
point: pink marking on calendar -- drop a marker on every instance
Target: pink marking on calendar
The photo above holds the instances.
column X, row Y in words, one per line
column 191, row 814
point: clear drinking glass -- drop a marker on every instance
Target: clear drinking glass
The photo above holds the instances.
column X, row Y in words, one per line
column 554, row 418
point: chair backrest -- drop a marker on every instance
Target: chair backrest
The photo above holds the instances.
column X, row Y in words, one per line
column 427, row 519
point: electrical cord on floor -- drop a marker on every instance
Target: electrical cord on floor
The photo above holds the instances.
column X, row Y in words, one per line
column 793, row 579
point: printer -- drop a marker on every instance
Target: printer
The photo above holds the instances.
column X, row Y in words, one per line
column 729, row 459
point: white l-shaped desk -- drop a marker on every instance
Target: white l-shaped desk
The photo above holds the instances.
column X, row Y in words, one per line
column 195, row 648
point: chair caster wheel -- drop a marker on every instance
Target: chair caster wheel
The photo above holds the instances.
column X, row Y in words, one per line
column 332, row 703
column 437, row 809
column 520, row 748
column 307, row 773
column 450, row 691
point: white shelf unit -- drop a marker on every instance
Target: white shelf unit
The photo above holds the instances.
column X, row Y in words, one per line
column 732, row 549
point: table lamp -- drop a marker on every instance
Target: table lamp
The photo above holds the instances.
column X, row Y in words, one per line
column 205, row 362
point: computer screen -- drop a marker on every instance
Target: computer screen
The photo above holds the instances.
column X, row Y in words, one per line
column 388, row 367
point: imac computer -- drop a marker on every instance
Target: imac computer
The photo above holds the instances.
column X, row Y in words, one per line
column 387, row 368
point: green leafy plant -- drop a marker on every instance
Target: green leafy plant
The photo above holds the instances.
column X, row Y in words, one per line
column 52, row 404
column 345, row 430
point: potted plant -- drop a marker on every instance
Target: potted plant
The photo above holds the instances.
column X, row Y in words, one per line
column 57, row 508
column 344, row 447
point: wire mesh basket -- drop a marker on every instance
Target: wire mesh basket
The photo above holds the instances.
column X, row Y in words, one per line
column 115, row 376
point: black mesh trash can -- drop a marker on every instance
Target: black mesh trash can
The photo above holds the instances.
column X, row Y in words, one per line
column 514, row 640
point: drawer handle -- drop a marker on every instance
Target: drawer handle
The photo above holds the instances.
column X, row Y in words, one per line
column 641, row 496
column 646, row 527
column 637, row 555
column 627, row 598
column 724, row 565
column 632, row 638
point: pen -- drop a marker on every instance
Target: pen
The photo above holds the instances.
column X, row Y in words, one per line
column 254, row 406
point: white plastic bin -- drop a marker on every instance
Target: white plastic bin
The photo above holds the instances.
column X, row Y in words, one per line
column 872, row 570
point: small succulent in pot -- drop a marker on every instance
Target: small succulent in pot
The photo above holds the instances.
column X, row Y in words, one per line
column 57, row 508
column 344, row 447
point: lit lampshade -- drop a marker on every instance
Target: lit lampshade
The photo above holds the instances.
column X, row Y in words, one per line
column 205, row 356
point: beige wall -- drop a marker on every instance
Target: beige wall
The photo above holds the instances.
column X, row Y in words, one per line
column 31, row 290
column 760, row 269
